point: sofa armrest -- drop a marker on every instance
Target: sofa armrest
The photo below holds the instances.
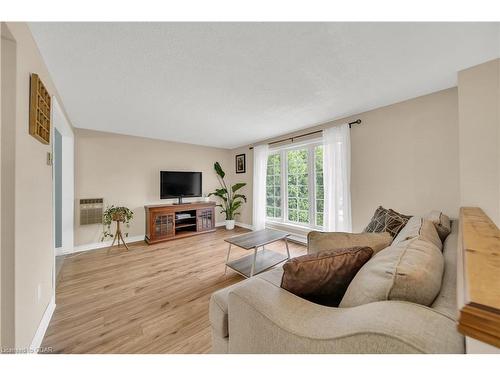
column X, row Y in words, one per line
column 218, row 310
column 264, row 318
column 320, row 241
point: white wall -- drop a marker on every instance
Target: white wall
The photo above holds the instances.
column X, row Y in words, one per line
column 31, row 197
column 245, row 216
column 125, row 170
column 0, row 193
column 479, row 136
column 404, row 156
column 8, row 129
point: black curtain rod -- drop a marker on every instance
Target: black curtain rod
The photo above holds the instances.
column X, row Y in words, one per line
column 356, row 122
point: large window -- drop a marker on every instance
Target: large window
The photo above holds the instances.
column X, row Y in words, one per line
column 298, row 186
column 295, row 185
column 273, row 186
column 319, row 198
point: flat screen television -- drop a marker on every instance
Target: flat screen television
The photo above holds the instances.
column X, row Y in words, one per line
column 175, row 184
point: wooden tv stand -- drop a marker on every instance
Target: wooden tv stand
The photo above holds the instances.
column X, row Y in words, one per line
column 163, row 223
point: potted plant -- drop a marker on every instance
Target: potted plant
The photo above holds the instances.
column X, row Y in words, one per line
column 231, row 200
column 118, row 214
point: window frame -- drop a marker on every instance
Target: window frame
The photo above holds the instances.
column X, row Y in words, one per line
column 281, row 185
column 310, row 146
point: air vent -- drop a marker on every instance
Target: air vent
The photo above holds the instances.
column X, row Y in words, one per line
column 91, row 211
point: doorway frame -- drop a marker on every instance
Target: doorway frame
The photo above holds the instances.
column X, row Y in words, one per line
column 61, row 123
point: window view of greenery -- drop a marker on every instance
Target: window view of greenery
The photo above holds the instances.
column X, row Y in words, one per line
column 298, row 190
column 318, row 171
column 296, row 201
column 273, row 186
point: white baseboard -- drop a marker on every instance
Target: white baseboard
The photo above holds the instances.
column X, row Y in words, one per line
column 298, row 238
column 63, row 250
column 100, row 245
column 296, row 234
column 60, row 251
column 44, row 324
column 243, row 225
column 237, row 223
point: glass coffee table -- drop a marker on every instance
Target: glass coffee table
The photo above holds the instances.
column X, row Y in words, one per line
column 260, row 260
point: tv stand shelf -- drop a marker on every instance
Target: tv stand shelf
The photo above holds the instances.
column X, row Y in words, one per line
column 184, row 225
column 162, row 223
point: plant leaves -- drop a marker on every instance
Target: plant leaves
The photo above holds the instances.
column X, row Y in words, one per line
column 124, row 214
column 218, row 170
column 236, row 196
column 238, row 186
column 230, row 202
column 235, row 205
column 221, row 193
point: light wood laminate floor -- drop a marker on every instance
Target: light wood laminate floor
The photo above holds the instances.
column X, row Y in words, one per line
column 151, row 299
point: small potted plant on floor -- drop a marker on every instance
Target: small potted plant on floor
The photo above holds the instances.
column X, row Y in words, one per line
column 231, row 200
column 119, row 215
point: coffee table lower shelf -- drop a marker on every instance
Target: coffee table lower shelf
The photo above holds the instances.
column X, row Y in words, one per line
column 265, row 259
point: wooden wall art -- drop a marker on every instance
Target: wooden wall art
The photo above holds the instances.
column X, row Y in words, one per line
column 39, row 110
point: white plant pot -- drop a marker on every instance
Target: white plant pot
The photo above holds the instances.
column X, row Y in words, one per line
column 229, row 224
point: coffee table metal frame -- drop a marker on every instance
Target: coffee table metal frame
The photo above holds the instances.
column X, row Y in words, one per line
column 271, row 258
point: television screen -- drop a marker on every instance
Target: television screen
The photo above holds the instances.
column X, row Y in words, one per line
column 180, row 184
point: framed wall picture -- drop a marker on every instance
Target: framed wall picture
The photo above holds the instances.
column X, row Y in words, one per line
column 240, row 163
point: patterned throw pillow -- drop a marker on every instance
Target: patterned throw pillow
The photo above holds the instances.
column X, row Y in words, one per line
column 377, row 223
column 394, row 222
column 387, row 220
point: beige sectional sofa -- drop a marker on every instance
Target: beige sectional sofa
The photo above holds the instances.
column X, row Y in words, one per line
column 257, row 316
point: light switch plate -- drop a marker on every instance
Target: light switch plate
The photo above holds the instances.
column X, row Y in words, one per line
column 49, row 158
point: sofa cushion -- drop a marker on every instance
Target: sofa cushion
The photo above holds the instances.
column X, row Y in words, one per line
column 274, row 275
column 323, row 277
column 410, row 271
column 446, row 301
column 321, row 241
column 441, row 222
column 421, row 228
column 384, row 220
column 218, row 312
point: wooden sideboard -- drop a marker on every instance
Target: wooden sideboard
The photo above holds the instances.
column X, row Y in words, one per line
column 163, row 222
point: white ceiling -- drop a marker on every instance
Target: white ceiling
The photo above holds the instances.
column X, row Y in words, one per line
column 231, row 84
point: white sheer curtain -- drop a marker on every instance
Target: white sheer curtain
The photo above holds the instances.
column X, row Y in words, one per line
column 260, row 154
column 337, row 178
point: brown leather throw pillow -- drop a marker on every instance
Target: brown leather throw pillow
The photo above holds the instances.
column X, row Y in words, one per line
column 323, row 277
